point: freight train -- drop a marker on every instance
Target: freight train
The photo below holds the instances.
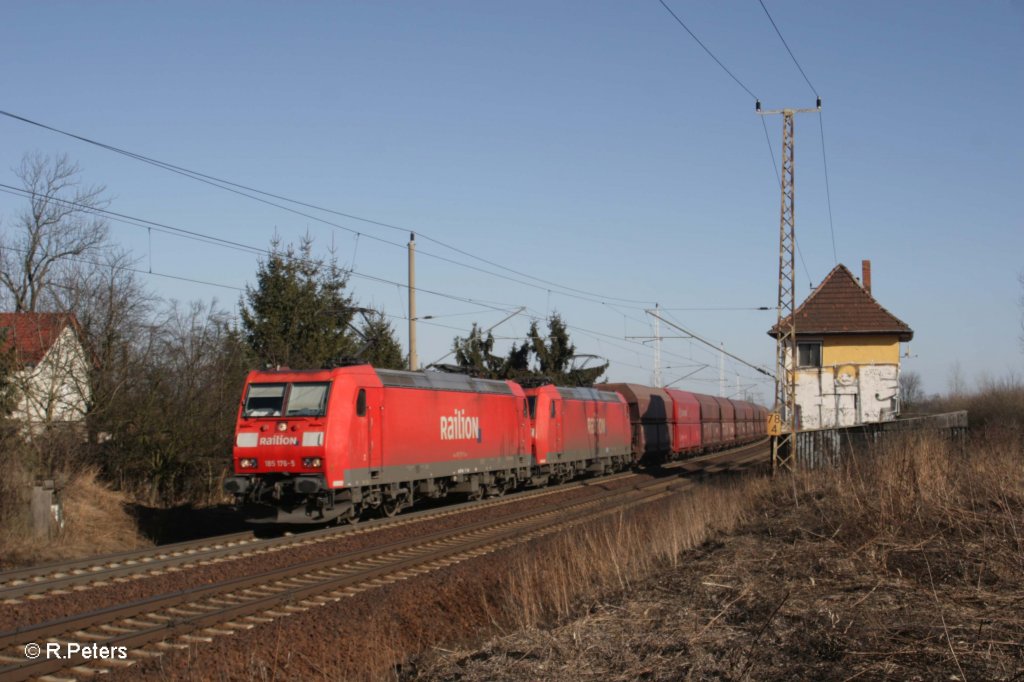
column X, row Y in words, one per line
column 332, row 445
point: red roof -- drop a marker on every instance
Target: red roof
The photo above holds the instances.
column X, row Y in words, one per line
column 32, row 334
column 841, row 306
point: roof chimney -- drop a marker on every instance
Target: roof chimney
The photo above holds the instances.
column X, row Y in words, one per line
column 865, row 268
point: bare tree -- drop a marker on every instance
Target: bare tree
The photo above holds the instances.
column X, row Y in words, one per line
column 911, row 392
column 957, row 382
column 60, row 223
column 115, row 311
column 172, row 423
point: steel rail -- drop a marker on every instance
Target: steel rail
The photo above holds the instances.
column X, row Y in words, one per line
column 313, row 578
column 59, row 576
column 142, row 563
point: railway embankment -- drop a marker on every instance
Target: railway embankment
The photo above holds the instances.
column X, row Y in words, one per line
column 380, row 633
column 907, row 563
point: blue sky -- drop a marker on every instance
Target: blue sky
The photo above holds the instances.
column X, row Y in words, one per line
column 591, row 144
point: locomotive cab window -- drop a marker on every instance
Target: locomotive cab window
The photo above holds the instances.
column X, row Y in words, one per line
column 307, row 400
column 361, row 403
column 552, row 409
column 290, row 400
column 531, row 403
column 264, row 400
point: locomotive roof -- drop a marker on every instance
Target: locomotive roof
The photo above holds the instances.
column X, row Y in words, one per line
column 441, row 381
column 587, row 393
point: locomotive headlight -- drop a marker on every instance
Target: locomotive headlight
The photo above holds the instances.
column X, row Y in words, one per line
column 312, row 462
column 248, row 463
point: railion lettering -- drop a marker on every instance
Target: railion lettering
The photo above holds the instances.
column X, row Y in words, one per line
column 460, row 427
column 279, row 440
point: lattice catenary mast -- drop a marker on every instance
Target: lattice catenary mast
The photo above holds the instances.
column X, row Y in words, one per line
column 783, row 423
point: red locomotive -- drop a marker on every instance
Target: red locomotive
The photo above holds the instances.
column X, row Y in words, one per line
column 576, row 430
column 316, row 446
column 322, row 445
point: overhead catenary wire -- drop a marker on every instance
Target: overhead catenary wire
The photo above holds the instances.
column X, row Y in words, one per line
column 828, row 189
column 750, row 92
column 250, row 192
column 762, row 370
column 786, row 45
column 242, row 189
column 821, row 128
column 705, row 48
column 238, row 246
column 232, row 287
column 194, row 235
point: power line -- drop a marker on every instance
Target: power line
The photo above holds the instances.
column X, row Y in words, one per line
column 771, row 150
column 237, row 246
column 717, row 308
column 786, row 45
column 244, row 191
column 193, row 235
column 710, row 53
column 180, row 278
column 821, row 128
column 708, row 343
column 828, row 189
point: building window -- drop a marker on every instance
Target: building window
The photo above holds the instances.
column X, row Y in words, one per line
column 808, row 354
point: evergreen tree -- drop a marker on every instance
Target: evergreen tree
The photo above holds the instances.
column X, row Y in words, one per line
column 554, row 356
column 475, row 354
column 380, row 345
column 298, row 314
column 556, row 353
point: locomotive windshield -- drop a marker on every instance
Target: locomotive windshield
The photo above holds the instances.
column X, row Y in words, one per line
column 290, row 400
column 306, row 400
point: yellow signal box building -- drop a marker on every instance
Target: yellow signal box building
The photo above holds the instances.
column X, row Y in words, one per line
column 848, row 354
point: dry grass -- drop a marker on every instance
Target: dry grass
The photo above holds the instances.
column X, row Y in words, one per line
column 96, row 521
column 907, row 563
column 14, row 503
column 550, row 581
column 378, row 634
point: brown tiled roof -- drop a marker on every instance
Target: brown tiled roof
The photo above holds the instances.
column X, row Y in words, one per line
column 32, row 334
column 841, row 306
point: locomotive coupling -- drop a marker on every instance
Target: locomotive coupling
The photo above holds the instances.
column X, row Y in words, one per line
column 308, row 485
column 237, row 485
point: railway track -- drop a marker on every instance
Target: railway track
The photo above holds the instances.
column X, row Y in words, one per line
column 204, row 612
column 58, row 578
column 151, row 626
column 61, row 577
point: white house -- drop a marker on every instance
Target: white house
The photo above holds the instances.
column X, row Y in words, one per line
column 51, row 374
